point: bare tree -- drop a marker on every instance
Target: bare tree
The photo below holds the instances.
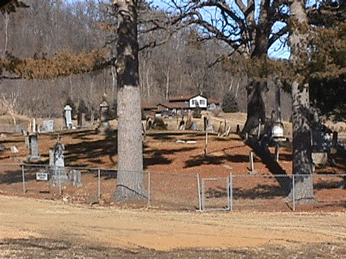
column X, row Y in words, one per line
column 9, row 103
column 302, row 161
column 130, row 179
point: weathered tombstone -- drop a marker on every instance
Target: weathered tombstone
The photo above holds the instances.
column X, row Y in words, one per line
column 194, row 125
column 58, row 174
column 48, row 126
column 92, row 118
column 68, row 116
column 33, row 143
column 58, row 155
column 34, row 126
column 75, row 177
column 81, row 119
column 104, row 124
column 252, row 170
column 17, row 129
column 26, row 138
column 14, row 149
column 51, row 157
column 104, row 114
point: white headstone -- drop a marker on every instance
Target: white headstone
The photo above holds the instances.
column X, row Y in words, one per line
column 59, row 155
column 68, row 116
column 34, row 125
column 33, row 142
column 48, row 126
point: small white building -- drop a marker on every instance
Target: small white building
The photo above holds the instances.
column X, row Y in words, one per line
column 198, row 101
column 182, row 104
column 192, row 101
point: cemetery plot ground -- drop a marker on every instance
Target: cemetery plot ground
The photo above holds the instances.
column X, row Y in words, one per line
column 174, row 159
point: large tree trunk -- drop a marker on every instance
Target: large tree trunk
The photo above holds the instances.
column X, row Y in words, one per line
column 130, row 179
column 302, row 161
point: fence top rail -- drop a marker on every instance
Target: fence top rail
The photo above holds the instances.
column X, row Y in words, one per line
column 282, row 175
column 96, row 168
column 214, row 179
column 330, row 175
column 260, row 176
column 67, row 167
column 172, row 174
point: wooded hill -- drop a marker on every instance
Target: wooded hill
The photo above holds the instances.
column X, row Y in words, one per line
column 45, row 28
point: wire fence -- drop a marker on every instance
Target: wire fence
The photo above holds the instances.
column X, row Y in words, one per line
column 171, row 191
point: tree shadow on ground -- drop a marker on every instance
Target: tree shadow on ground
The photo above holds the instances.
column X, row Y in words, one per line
column 215, row 160
column 258, row 192
column 329, row 185
column 11, row 141
column 15, row 176
column 285, row 157
column 226, row 139
column 107, row 174
column 156, row 156
column 92, row 150
column 172, row 136
column 85, row 134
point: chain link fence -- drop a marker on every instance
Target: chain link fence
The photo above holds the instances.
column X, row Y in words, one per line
column 170, row 191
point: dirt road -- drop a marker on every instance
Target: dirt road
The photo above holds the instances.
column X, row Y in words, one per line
column 164, row 230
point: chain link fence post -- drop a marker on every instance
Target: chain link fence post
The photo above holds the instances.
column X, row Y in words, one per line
column 293, row 193
column 23, row 177
column 59, row 180
column 199, row 193
column 203, row 196
column 149, row 188
column 98, row 184
column 231, row 190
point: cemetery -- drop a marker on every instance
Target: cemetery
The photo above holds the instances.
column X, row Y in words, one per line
column 60, row 159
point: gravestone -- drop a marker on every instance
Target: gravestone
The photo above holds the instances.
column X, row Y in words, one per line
column 26, row 138
column 81, row 119
column 92, row 118
column 48, row 126
column 104, row 124
column 58, row 155
column 58, row 176
column 34, row 126
column 68, row 116
column 58, row 173
column 33, row 144
column 104, row 114
column 75, row 177
column 194, row 125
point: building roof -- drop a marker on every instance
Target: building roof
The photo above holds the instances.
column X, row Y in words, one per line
column 175, row 105
column 184, row 98
column 148, row 106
